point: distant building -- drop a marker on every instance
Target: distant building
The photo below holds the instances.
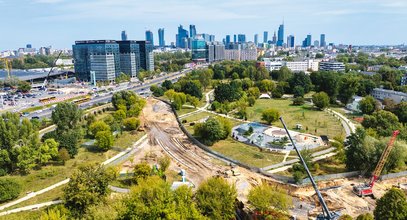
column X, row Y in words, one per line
column 265, row 37
column 182, row 38
column 241, row 52
column 280, row 39
column 146, row 55
column 381, row 94
column 124, row 35
column 297, row 66
column 198, row 47
column 290, row 41
column 274, row 41
column 129, row 57
column 29, row 46
column 316, row 43
column 322, row 41
column 374, row 68
column 215, row 52
column 227, row 41
column 192, row 31
column 332, row 66
column 354, row 105
column 256, row 39
column 149, row 37
column 241, row 38
column 211, row 38
column 161, row 39
column 234, row 38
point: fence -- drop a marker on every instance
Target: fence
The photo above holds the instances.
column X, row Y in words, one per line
column 393, row 175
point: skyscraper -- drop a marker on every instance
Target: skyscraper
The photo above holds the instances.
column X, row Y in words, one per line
column 256, row 39
column 309, row 38
column 280, row 40
column 234, row 38
column 161, row 41
column 274, row 38
column 227, row 42
column 322, row 41
column 149, row 37
column 146, row 55
column 192, row 31
column 182, row 38
column 199, row 51
column 290, row 41
column 241, row 38
column 124, row 35
column 265, row 37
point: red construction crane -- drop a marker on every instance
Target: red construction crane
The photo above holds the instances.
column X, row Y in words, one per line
column 367, row 188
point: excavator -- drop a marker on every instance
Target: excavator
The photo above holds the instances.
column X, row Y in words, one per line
column 366, row 189
column 326, row 213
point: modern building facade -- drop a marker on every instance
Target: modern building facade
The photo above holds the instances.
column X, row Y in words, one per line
column 274, row 41
column 256, row 39
column 199, row 51
column 290, row 41
column 215, row 52
column 322, row 41
column 124, row 35
column 241, row 38
column 182, row 38
column 280, row 39
column 332, row 66
column 161, row 39
column 265, row 37
column 104, row 60
column 227, row 40
column 192, row 31
column 150, row 37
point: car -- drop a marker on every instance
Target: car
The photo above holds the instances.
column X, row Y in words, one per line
column 35, row 118
column 25, row 114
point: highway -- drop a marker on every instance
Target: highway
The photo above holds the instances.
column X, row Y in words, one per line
column 46, row 113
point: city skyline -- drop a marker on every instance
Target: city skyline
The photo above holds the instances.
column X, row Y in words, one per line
column 60, row 22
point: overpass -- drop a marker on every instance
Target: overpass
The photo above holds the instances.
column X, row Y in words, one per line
column 27, row 75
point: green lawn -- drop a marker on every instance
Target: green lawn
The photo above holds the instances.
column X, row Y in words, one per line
column 246, row 154
column 36, row 214
column 127, row 139
column 306, row 115
column 185, row 110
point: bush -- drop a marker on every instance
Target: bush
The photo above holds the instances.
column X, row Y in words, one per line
column 131, row 124
column 298, row 101
column 104, row 140
column 9, row 189
column 270, row 115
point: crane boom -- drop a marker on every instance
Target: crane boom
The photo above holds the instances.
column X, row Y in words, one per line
column 50, row 71
column 379, row 167
column 327, row 215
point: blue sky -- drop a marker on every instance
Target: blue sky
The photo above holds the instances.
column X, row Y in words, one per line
column 61, row 22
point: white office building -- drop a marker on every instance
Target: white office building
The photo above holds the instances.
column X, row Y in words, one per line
column 332, row 66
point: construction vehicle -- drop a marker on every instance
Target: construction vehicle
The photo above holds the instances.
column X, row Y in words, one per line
column 326, row 214
column 366, row 189
column 7, row 65
column 45, row 84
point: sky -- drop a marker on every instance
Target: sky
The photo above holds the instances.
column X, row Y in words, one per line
column 60, row 22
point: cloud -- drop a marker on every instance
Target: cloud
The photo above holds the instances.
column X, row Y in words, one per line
column 48, row 1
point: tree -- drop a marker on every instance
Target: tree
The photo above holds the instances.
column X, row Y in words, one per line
column 401, row 111
column 157, row 91
column 98, row 126
column 366, row 216
column 170, row 94
column 47, row 151
column 9, row 189
column 383, row 122
column 326, row 81
column 210, row 131
column 301, row 79
column 266, row 85
column 283, row 74
column 367, row 105
column 55, row 213
column 131, row 124
column 270, row 115
column 205, row 78
column 167, row 85
column 164, row 163
column 254, row 92
column 87, row 186
column 348, row 86
column 298, row 91
column 345, row 217
column 216, row 199
column 66, row 116
column 179, row 99
column 63, row 155
column 133, row 103
column 321, row 100
column 70, row 140
column 225, row 92
column 104, row 140
column 185, row 206
column 191, row 87
column 298, row 101
column 251, row 101
column 141, row 171
column 393, row 205
column 264, row 197
column 193, row 100
column 24, row 86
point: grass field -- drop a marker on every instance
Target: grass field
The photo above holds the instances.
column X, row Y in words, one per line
column 318, row 122
column 246, row 154
column 127, row 139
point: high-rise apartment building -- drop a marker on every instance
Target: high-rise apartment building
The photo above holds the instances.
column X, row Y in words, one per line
column 316, row 43
column 192, row 31
column 198, row 49
column 274, row 41
column 215, row 52
column 234, row 38
column 265, row 37
column 124, row 35
column 149, row 37
column 227, row 41
column 280, row 40
column 322, row 41
column 161, row 40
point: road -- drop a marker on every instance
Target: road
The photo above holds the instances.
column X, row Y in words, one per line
column 46, row 113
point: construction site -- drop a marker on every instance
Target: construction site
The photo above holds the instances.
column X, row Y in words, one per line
column 166, row 138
